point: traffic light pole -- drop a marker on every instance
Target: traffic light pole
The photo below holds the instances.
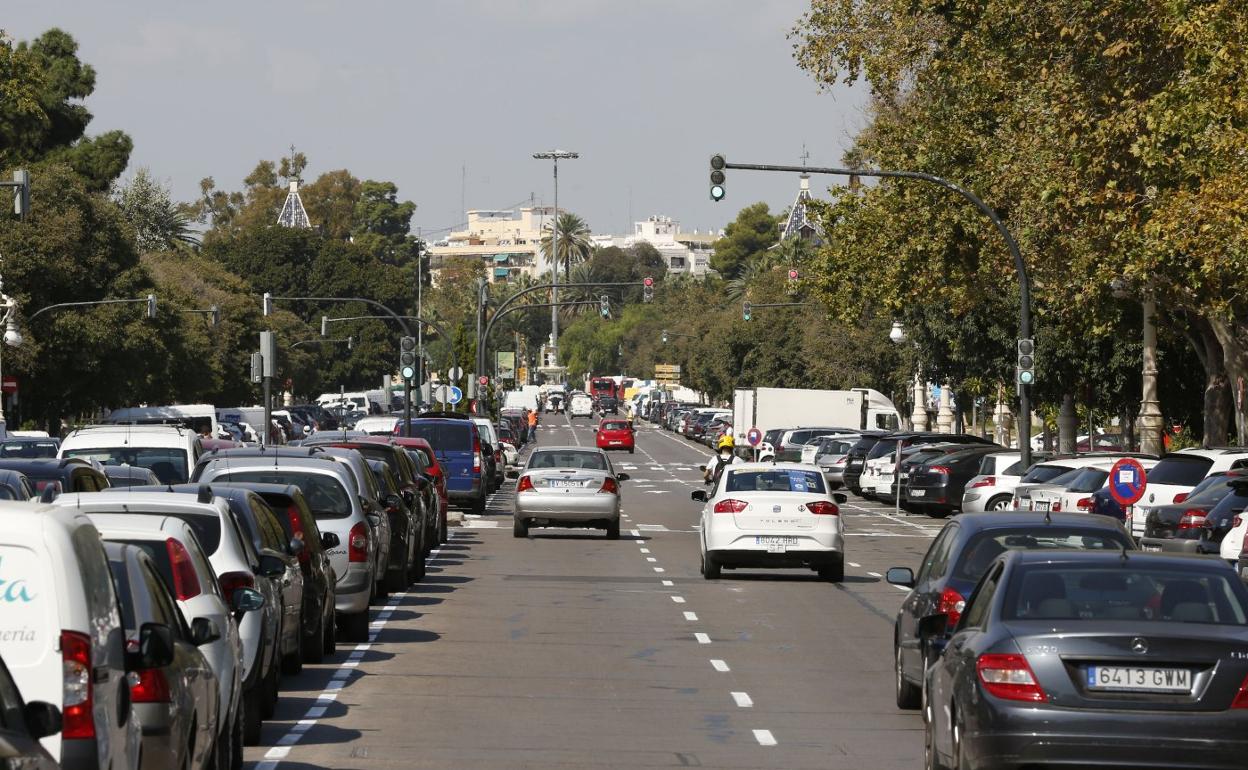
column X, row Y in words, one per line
column 1024, row 284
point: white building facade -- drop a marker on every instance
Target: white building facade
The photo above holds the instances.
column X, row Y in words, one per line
column 509, row 242
column 688, row 253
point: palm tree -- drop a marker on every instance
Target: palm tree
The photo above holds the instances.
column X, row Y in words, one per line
column 762, row 263
column 574, row 245
column 582, row 273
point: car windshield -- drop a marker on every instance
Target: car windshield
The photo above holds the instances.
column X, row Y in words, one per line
column 1125, row 592
column 169, row 465
column 1087, row 480
column 1180, row 470
column 568, row 458
column 983, row 548
column 326, row 496
column 443, row 437
column 615, row 425
column 1044, row 474
column 28, row 449
column 833, row 447
column 779, row 480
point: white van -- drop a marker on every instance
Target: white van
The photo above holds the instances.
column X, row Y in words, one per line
column 61, row 634
column 169, row 451
column 193, row 417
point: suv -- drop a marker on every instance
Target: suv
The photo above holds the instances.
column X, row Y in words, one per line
column 169, row 451
column 457, row 444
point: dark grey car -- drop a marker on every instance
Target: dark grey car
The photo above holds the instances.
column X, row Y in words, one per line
column 1086, row 658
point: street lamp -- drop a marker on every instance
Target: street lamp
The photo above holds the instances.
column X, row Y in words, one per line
column 918, row 415
column 555, row 156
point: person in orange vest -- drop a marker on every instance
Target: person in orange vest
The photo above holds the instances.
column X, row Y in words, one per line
column 532, row 426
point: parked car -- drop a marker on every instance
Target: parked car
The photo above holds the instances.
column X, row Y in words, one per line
column 1176, row 474
column 249, row 581
column 491, row 450
column 955, row 562
column 28, row 447
column 169, row 451
column 1221, row 518
column 14, row 485
column 1076, row 495
column 1056, row 472
column 331, row 493
column 58, row 476
column 1177, row 527
column 71, row 652
column 936, row 486
column 457, row 444
column 122, row 476
column 771, row 515
column 855, row 461
column 791, row 442
column 177, row 701
column 1094, row 660
column 880, row 465
column 615, row 434
column 24, row 724
column 381, row 425
column 176, row 553
column 427, row 461
column 831, row 454
column 992, row 489
column 567, row 487
column 406, row 531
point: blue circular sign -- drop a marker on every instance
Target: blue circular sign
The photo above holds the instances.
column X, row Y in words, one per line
column 754, row 437
column 456, row 395
column 1127, row 480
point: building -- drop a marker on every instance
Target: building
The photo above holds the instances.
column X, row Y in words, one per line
column 688, row 253
column 509, row 242
column 798, row 225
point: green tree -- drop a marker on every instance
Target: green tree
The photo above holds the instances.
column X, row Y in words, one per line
column 753, row 232
column 158, row 222
column 574, row 245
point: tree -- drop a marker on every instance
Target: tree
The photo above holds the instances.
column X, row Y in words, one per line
column 753, row 231
column 158, row 222
column 574, row 245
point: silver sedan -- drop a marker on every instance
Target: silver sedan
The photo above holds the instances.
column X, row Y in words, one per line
column 568, row 487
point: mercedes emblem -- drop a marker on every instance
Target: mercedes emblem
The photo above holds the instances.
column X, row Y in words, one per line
column 1139, row 645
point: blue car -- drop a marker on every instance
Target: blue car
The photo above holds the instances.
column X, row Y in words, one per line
column 457, row 444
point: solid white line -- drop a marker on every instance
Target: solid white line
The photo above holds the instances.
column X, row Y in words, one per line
column 764, row 738
column 678, row 599
column 875, row 574
column 691, row 616
column 702, row 638
column 635, row 532
column 743, row 700
column 853, row 564
column 719, row 665
column 668, row 583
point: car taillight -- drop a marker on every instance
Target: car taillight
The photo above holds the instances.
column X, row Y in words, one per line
column 730, row 506
column 823, row 508
column 841, row 460
column 185, row 581
column 951, row 604
column 1056, row 506
column 152, row 687
column 296, row 530
column 1084, row 504
column 1193, row 518
column 985, row 481
column 1180, row 497
column 1241, row 698
column 357, row 543
column 232, row 581
column 609, row 486
column 476, row 454
column 525, row 485
column 941, row 469
column 1009, row 677
column 77, row 719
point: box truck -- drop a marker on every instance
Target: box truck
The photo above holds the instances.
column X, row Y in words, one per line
column 771, row 408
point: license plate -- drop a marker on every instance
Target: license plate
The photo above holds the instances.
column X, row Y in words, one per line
column 776, row 544
column 918, row 492
column 1150, row 547
column 563, row 483
column 616, row 443
column 1139, row 679
column 1040, row 505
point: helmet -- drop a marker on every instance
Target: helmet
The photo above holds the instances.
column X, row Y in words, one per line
column 725, row 442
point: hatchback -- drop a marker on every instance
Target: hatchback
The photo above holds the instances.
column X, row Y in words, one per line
column 615, row 435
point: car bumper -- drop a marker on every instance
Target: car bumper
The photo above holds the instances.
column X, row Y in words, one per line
column 568, row 508
column 1019, row 736
column 352, row 592
column 934, row 497
column 465, row 492
column 609, row 445
column 746, row 544
column 833, row 475
column 793, row 559
column 1170, row 545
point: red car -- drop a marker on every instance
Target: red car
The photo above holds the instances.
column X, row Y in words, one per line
column 615, row 434
column 432, row 468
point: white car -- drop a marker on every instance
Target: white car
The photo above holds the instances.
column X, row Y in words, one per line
column 1076, row 495
column 169, row 451
column 62, row 638
column 1234, row 542
column 771, row 515
column 377, row 425
column 993, row 488
column 582, row 406
column 1174, row 477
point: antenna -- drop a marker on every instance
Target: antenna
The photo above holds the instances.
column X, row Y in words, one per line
column 1048, row 518
column 1124, row 552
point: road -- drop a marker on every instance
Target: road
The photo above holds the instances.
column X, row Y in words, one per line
column 566, row 650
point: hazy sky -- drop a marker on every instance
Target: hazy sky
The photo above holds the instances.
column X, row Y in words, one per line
column 415, row 91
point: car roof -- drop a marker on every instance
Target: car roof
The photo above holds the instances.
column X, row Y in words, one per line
column 568, row 447
column 769, row 466
column 978, row 522
column 148, row 501
column 1170, row 560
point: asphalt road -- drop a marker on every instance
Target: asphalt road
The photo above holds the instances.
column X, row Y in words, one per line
column 566, row 650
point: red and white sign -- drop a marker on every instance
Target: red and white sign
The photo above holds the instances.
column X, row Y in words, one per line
column 1127, row 481
column 8, row 385
column 754, row 436
column 648, row 281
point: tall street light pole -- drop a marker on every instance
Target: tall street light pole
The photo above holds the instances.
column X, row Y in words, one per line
column 555, row 156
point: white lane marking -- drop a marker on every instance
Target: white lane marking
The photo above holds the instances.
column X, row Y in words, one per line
column 658, row 569
column 668, row 583
column 678, row 599
column 743, row 700
column 875, row 574
column 702, row 638
column 888, row 516
column 719, row 665
column 853, row 564
column 653, row 527
column 764, row 738
column 651, row 559
column 634, row 532
column 901, row 588
column 645, row 550
column 691, row 616
column 574, row 435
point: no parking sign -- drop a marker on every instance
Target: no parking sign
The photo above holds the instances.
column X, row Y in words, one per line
column 1127, row 481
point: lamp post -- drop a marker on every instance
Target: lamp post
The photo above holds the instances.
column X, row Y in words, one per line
column 12, row 338
column 555, row 156
column 918, row 415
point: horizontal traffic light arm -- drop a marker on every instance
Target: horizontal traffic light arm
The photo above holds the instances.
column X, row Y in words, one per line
column 370, row 302
column 423, row 321
column 63, row 305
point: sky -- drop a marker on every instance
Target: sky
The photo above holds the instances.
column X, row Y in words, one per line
column 449, row 99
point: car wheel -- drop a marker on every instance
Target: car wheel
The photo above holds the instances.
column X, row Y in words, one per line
column 396, row 579
column 710, row 570
column 908, row 694
column 268, row 704
column 478, row 505
column 443, row 534
column 379, row 592
column 519, row 528
column 834, row 572
column 355, row 626
column 630, row 450
column 314, row 645
column 331, row 634
column 1000, row 503
column 252, row 718
column 416, row 570
column 930, row 759
column 613, row 530
column 937, row 513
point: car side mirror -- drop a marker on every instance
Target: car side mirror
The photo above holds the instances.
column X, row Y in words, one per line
column 934, row 627
column 899, row 576
column 42, row 719
column 840, row 498
column 155, row 648
column 622, row 477
column 698, row 495
column 246, row 600
column 330, row 540
column 271, row 566
column 512, row 475
column 203, row 631
column 295, row 546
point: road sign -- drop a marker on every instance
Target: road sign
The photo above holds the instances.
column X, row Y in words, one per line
column 9, row 385
column 483, row 380
column 456, row 395
column 754, row 436
column 1127, row 481
column 455, row 374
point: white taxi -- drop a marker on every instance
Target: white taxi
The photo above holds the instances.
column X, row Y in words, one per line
column 771, row 515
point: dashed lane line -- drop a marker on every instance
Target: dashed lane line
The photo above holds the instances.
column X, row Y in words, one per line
column 693, row 616
column 719, row 666
column 742, row 700
column 764, row 738
column 702, row 638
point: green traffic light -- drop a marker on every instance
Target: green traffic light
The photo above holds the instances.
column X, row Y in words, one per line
column 717, row 192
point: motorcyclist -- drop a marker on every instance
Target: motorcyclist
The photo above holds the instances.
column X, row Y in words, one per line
column 723, row 456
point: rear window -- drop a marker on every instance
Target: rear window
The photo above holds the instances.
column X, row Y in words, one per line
column 444, row 437
column 882, row 447
column 834, row 447
column 1180, row 471
column 1088, row 480
column 207, row 529
column 983, row 548
column 326, row 496
column 29, row 449
column 1210, row 491
column 620, row 425
column 568, row 459
column 169, row 465
column 1043, row 474
column 1125, row 592
column 775, row 481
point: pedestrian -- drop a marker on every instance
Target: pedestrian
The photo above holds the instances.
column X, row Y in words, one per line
column 532, row 426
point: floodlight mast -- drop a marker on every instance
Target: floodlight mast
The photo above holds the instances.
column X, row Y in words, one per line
column 555, row 156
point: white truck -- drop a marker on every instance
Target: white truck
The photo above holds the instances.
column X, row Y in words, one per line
column 769, row 408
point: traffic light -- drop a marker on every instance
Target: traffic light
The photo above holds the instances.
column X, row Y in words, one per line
column 717, row 177
column 604, row 306
column 151, row 306
column 745, row 311
column 21, row 192
column 407, row 358
column 1026, row 361
column 324, row 326
column 647, row 290
column 665, row 336
column 350, row 343
column 214, row 316
column 267, row 306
